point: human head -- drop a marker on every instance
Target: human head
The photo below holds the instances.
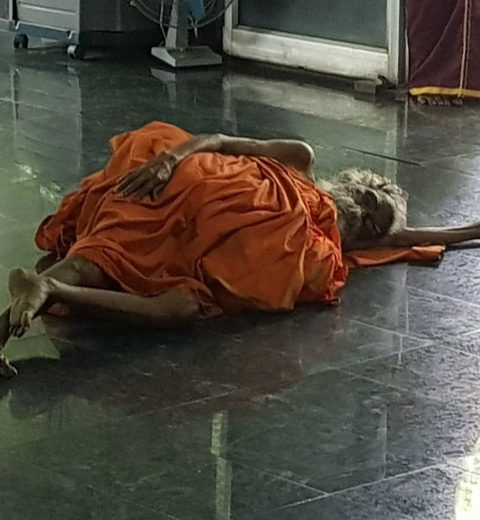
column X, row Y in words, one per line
column 369, row 207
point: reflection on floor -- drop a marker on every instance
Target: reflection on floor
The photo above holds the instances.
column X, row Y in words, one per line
column 368, row 411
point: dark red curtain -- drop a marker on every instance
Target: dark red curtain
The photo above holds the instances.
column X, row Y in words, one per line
column 444, row 47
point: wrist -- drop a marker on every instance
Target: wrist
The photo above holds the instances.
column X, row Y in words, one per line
column 172, row 158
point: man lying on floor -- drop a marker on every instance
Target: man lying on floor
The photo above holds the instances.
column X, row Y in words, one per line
column 177, row 228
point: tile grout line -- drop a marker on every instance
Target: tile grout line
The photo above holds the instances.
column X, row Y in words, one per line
column 284, row 479
column 377, row 358
column 382, row 156
column 399, row 335
column 361, row 486
column 381, row 383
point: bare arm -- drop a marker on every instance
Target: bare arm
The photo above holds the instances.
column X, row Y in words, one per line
column 290, row 152
column 410, row 237
column 152, row 177
column 446, row 236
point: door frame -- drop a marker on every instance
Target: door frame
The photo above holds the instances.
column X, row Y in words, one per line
column 318, row 54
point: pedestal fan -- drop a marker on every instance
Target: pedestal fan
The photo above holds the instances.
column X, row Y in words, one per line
column 178, row 17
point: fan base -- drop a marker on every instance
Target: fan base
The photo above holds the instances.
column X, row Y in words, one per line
column 188, row 57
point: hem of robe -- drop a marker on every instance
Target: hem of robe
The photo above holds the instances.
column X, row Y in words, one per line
column 389, row 255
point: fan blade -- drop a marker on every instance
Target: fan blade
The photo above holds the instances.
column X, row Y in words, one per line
column 197, row 8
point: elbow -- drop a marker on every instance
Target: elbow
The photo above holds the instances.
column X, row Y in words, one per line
column 307, row 161
column 306, row 157
column 217, row 142
column 209, row 143
column 309, row 155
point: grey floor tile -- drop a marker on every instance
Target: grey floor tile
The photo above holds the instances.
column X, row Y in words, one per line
column 455, row 276
column 336, row 431
column 468, row 343
column 466, row 163
column 177, row 470
column 396, row 306
column 439, row 197
column 29, row 493
column 243, row 416
column 442, row 492
column 434, row 372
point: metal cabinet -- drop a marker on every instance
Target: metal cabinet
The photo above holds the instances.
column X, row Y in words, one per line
column 82, row 23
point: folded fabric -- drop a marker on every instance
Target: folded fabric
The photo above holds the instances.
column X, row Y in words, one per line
column 237, row 232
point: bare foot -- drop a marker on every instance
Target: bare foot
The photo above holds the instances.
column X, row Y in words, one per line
column 29, row 293
column 439, row 101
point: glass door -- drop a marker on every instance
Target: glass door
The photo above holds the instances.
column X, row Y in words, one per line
column 354, row 38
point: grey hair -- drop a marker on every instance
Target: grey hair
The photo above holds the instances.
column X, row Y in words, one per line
column 343, row 187
column 375, row 182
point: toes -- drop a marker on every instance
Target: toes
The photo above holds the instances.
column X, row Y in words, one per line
column 16, row 322
column 26, row 319
column 19, row 332
column 19, row 307
column 25, row 324
column 14, row 330
column 13, row 325
column 20, row 319
column 27, row 304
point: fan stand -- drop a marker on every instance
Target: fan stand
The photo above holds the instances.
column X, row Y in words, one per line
column 176, row 52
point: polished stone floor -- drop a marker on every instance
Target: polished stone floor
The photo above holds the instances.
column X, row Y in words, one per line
column 367, row 411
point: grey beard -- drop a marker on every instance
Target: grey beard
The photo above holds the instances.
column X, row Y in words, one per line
column 349, row 214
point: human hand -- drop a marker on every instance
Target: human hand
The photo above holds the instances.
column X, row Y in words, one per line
column 149, row 179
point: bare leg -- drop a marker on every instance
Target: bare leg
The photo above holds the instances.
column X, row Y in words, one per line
column 79, row 272
column 74, row 271
column 35, row 290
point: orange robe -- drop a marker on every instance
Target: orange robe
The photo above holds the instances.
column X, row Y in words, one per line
column 238, row 232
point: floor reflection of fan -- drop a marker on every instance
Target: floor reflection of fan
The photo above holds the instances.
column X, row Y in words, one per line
column 178, row 17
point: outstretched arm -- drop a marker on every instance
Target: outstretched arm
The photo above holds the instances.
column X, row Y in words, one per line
column 152, row 177
column 446, row 236
column 423, row 236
